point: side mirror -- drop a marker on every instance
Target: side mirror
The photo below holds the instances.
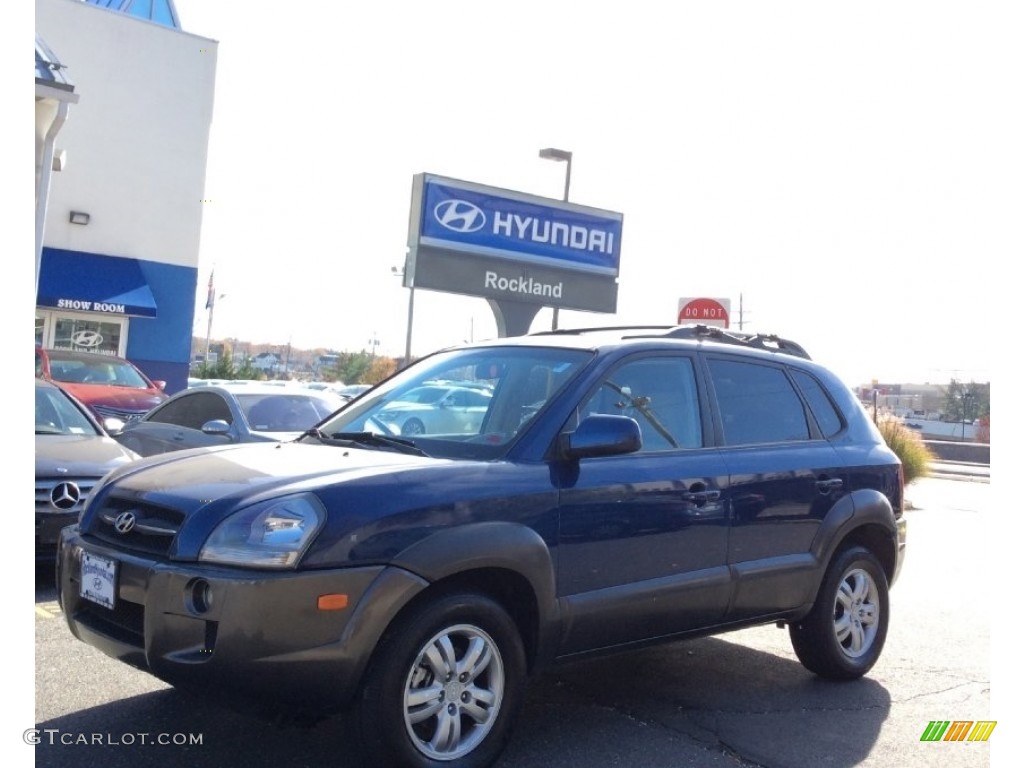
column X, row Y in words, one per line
column 601, row 435
column 161, row 385
column 216, row 427
column 114, row 426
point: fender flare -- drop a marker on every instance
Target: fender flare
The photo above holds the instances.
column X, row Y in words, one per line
column 492, row 545
column 863, row 507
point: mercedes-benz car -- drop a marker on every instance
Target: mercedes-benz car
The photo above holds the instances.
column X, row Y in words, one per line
column 73, row 451
column 621, row 487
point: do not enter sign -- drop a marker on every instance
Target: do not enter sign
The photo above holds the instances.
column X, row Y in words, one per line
column 702, row 310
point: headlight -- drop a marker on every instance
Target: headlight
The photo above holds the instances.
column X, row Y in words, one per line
column 273, row 534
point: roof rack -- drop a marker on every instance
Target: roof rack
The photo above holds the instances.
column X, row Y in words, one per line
column 766, row 341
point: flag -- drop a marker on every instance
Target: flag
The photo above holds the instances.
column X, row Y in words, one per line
column 209, row 292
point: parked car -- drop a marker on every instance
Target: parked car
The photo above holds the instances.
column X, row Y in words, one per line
column 352, row 391
column 223, row 414
column 437, row 409
column 623, row 487
column 110, row 386
column 73, row 452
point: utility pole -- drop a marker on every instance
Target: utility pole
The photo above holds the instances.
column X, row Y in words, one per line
column 743, row 316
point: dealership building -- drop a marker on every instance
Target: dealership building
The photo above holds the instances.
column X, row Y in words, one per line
column 124, row 102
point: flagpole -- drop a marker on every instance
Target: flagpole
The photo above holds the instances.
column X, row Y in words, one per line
column 209, row 326
column 209, row 320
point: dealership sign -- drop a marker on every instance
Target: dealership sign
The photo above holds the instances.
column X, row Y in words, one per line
column 499, row 244
column 714, row 312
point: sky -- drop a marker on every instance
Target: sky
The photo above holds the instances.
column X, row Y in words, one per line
column 850, row 173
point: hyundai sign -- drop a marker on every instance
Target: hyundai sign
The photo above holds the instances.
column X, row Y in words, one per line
column 499, row 244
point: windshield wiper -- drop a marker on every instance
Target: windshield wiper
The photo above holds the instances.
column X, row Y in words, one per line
column 373, row 440
column 642, row 404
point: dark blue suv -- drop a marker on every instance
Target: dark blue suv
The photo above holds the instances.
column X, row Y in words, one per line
column 622, row 486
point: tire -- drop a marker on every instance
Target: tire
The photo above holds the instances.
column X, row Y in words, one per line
column 413, row 427
column 444, row 686
column 843, row 635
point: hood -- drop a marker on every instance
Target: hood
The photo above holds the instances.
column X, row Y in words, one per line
column 200, row 477
column 121, row 398
column 79, row 455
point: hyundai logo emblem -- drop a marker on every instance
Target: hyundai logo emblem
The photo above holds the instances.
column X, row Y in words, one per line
column 65, row 496
column 86, row 339
column 124, row 522
column 459, row 216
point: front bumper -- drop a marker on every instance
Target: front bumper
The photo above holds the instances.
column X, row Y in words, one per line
column 48, row 528
column 236, row 634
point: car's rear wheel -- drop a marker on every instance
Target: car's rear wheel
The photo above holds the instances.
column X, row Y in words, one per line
column 413, row 427
column 444, row 686
column 843, row 635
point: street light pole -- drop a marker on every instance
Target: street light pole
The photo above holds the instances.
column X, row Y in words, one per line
column 963, row 421
column 408, row 328
column 560, row 155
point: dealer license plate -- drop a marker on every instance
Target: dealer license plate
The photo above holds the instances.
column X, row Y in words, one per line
column 99, row 579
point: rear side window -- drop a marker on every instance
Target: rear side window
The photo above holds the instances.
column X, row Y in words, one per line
column 829, row 421
column 193, row 410
column 758, row 404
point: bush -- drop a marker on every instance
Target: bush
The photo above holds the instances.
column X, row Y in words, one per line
column 908, row 445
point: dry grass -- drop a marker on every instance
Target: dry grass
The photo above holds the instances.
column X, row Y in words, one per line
column 907, row 444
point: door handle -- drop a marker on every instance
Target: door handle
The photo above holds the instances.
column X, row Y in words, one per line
column 826, row 486
column 700, row 498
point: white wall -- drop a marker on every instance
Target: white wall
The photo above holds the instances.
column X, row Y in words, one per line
column 136, row 140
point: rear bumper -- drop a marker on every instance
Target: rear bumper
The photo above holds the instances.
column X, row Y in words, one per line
column 901, row 548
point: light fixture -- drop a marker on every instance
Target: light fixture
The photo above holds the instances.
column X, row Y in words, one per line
column 78, row 217
column 562, row 156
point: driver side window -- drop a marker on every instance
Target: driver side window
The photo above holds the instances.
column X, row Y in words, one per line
column 660, row 394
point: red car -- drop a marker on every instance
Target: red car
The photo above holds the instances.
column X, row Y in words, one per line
column 111, row 387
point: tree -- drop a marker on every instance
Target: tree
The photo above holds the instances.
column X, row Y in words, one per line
column 966, row 402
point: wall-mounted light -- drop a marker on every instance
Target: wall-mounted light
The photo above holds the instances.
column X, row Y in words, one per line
column 78, row 217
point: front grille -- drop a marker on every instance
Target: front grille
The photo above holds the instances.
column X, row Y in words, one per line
column 125, row 623
column 144, row 528
column 63, row 495
column 124, row 414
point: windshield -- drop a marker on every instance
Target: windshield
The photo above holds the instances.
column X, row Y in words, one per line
column 57, row 415
column 464, row 403
column 109, row 371
column 288, row 411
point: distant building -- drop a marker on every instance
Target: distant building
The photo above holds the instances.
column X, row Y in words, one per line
column 267, row 362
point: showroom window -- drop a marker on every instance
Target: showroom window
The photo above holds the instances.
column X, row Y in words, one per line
column 85, row 333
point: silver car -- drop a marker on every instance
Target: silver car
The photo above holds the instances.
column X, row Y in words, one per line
column 225, row 414
column 73, row 451
column 437, row 409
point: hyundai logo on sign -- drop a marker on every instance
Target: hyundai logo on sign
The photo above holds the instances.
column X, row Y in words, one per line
column 472, row 219
column 459, row 216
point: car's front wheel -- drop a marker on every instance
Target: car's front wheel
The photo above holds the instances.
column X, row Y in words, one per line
column 843, row 635
column 444, row 685
column 413, row 427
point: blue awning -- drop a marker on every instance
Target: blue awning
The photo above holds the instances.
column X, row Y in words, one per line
column 92, row 282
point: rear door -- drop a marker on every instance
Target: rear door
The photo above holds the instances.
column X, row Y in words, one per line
column 784, row 477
